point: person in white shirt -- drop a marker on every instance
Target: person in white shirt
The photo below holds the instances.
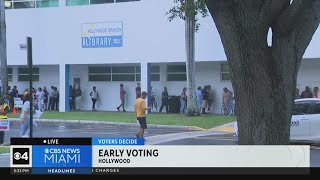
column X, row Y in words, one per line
column 40, row 99
column 94, row 97
column 25, row 118
column 78, row 94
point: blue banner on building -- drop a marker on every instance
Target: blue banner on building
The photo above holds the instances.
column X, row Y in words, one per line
column 102, row 35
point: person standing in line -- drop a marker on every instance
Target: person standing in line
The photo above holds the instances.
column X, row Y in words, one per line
column 122, row 96
column 204, row 100
column 306, row 93
column 164, row 100
column 94, row 97
column 14, row 94
column 315, row 92
column 45, row 101
column 183, row 101
column 56, row 98
column 51, row 99
column 210, row 98
column 72, row 98
column 153, row 100
column 140, row 109
column 40, row 99
column 199, row 98
column 138, row 91
column 226, row 97
column 78, row 94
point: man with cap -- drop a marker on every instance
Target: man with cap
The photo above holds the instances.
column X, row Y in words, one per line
column 140, row 109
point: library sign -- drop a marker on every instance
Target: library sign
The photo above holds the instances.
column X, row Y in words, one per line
column 102, row 35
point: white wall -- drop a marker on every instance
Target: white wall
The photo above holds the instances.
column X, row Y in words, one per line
column 207, row 73
column 49, row 76
column 148, row 35
column 109, row 94
column 309, row 74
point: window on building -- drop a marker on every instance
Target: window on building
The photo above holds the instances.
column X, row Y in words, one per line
column 24, row 4
column 9, row 74
column 19, row 4
column 125, row 0
column 155, row 73
column 77, row 2
column 115, row 73
column 126, row 73
column 176, row 73
column 101, row 1
column 23, row 74
column 225, row 72
column 99, row 73
column 47, row 3
column 138, row 73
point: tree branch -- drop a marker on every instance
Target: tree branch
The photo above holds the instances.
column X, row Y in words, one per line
column 214, row 6
column 307, row 24
column 287, row 20
column 271, row 9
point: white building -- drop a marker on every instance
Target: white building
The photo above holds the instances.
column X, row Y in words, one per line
column 110, row 43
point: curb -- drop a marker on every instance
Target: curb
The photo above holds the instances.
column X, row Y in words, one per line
column 111, row 123
column 5, row 144
column 229, row 128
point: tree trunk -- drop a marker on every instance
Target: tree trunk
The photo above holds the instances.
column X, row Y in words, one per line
column 3, row 52
column 192, row 107
column 264, row 78
column 264, row 94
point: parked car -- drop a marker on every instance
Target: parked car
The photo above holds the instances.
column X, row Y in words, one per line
column 305, row 121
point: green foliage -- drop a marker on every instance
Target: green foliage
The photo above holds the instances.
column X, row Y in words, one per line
column 188, row 9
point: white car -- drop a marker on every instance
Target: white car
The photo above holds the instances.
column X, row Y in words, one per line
column 305, row 121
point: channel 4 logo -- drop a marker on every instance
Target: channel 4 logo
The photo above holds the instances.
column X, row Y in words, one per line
column 20, row 156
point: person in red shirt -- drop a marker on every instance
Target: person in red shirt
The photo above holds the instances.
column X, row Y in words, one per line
column 138, row 91
column 122, row 96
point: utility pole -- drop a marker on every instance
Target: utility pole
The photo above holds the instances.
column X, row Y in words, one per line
column 30, row 65
column 28, row 47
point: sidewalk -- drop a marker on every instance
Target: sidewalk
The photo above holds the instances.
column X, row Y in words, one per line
column 109, row 123
column 227, row 128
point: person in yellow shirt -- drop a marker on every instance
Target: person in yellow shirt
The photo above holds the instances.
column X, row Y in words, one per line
column 4, row 109
column 140, row 109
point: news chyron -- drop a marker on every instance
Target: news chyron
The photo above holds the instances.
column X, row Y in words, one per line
column 67, row 155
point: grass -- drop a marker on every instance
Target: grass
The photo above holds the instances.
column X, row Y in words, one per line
column 205, row 122
column 4, row 149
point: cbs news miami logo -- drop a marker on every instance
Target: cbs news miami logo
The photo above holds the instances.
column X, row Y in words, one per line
column 20, row 156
